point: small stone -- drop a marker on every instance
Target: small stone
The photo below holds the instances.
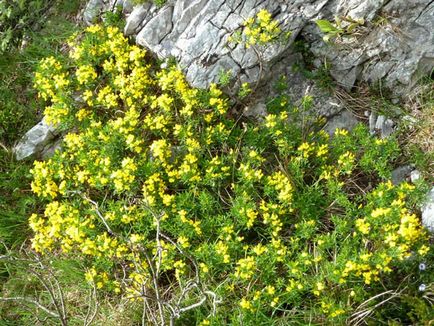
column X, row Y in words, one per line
column 401, row 173
column 428, row 211
column 409, row 120
column 415, row 175
column 380, row 121
column 256, row 110
column 372, row 120
column 344, row 120
column 382, row 124
column 387, row 128
column 34, row 141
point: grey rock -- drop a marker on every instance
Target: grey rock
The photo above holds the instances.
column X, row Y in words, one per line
column 357, row 9
column 401, row 174
column 387, row 128
column 95, row 8
column 343, row 120
column 92, row 11
column 34, row 141
column 415, row 176
column 257, row 110
column 381, row 125
column 196, row 33
column 380, row 122
column 395, row 52
column 126, row 5
column 158, row 27
column 409, row 120
column 51, row 148
column 284, row 77
column 428, row 211
column 372, row 122
column 136, row 17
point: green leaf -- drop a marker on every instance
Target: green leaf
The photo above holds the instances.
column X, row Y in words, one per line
column 325, row 26
column 326, row 38
column 352, row 27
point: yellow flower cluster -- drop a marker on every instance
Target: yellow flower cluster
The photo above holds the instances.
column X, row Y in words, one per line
column 86, row 74
column 245, row 268
column 43, row 183
column 152, row 172
column 283, row 187
column 261, row 29
column 124, row 177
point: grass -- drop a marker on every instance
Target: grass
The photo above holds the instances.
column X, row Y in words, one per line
column 19, row 111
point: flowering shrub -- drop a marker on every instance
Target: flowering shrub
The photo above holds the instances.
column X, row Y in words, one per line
column 260, row 30
column 170, row 201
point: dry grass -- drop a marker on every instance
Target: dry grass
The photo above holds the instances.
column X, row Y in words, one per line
column 421, row 106
column 419, row 128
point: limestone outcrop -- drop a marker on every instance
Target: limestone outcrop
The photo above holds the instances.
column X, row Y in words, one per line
column 393, row 47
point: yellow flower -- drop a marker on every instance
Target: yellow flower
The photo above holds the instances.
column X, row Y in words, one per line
column 85, row 74
column 341, row 132
column 245, row 268
column 362, row 226
column 319, row 287
column 245, row 304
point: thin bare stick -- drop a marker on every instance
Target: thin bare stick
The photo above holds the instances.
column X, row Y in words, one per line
column 88, row 321
column 54, row 300
column 36, row 303
column 194, row 305
column 156, row 288
column 95, row 204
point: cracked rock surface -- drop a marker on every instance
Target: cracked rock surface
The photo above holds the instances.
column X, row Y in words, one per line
column 196, row 34
column 394, row 46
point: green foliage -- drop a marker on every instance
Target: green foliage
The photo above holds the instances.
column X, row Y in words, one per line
column 45, row 35
column 225, row 77
column 15, row 17
column 417, row 128
column 259, row 31
column 244, row 91
column 18, row 102
column 114, row 18
column 157, row 189
column 19, row 111
column 20, row 19
column 159, row 3
column 343, row 26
